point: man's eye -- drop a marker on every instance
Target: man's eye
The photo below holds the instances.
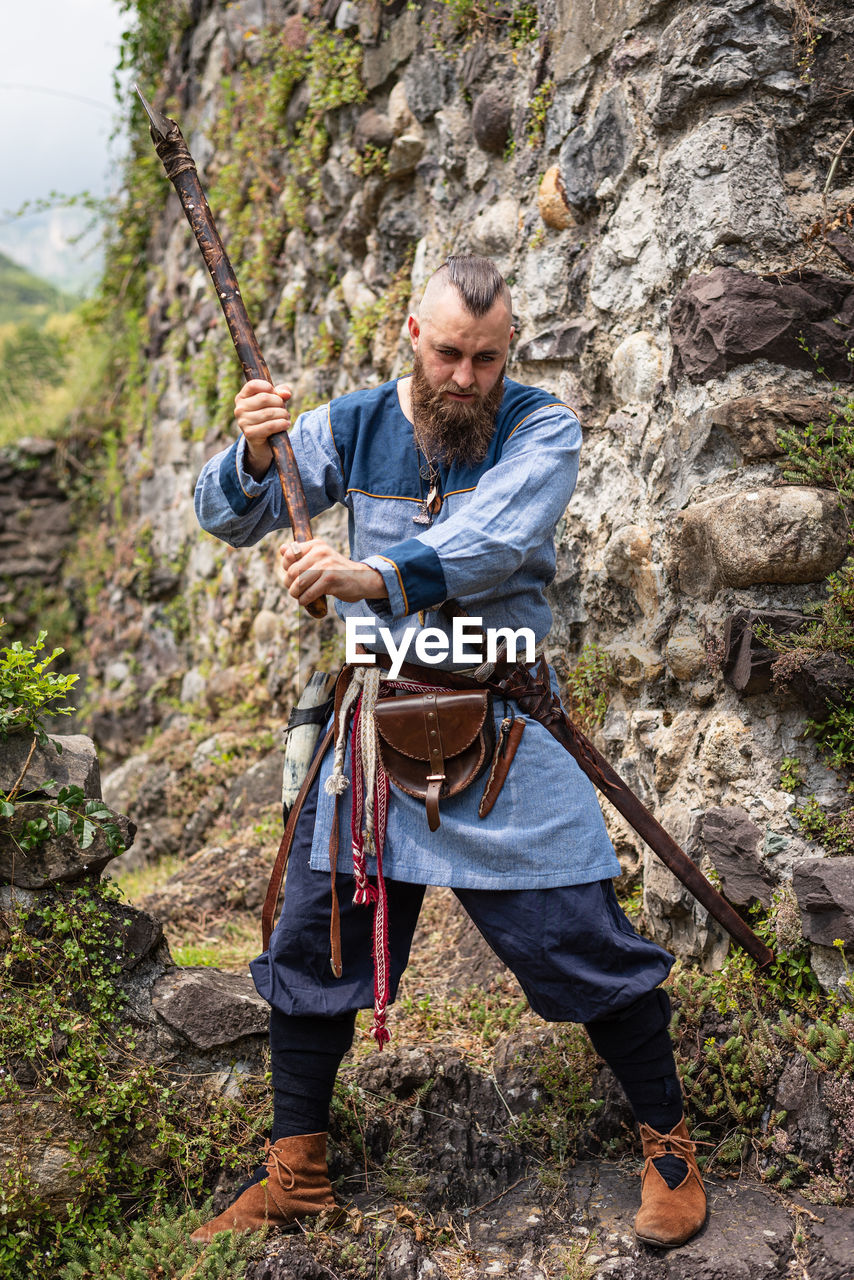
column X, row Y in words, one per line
column 486, row 359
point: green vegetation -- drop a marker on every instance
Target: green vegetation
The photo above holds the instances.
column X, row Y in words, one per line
column 28, row 691
column 586, row 685
column 734, row 1030
column 538, row 111
column 822, row 455
column 137, row 1135
column 25, row 299
column 133, row 1134
column 253, row 126
column 469, row 18
column 160, row 1248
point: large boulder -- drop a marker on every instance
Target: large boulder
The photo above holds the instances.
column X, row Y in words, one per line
column 788, row 534
column 714, row 51
column 732, row 840
column 210, row 1008
column 67, row 760
column 721, row 185
column 601, row 149
column 60, row 859
column 729, row 317
column 754, row 422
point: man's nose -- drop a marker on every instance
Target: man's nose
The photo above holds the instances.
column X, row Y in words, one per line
column 464, row 374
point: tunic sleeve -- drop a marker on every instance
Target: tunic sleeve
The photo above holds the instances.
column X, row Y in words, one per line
column 240, row 510
column 514, row 509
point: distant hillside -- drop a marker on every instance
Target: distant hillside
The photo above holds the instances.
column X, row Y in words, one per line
column 24, row 298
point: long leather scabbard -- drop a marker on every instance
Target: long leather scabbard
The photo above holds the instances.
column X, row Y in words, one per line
column 181, row 171
column 534, row 695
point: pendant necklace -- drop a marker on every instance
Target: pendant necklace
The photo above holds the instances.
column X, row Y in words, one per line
column 428, row 474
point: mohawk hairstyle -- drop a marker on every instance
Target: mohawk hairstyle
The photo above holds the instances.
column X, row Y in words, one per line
column 477, row 280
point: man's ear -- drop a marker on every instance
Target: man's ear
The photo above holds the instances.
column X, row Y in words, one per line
column 512, row 333
column 414, row 331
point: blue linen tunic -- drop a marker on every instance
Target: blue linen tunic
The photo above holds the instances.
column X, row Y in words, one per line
column 491, row 547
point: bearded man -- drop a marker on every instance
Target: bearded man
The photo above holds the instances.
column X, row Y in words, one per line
column 454, row 479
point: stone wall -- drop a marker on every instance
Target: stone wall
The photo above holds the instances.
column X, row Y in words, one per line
column 648, row 174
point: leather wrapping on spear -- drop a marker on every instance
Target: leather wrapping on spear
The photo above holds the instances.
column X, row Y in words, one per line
column 181, row 171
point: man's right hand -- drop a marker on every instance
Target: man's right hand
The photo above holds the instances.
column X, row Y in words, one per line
column 259, row 408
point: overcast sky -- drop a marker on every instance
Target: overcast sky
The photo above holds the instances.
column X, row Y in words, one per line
column 58, row 112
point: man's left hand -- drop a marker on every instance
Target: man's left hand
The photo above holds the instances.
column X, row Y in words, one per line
column 314, row 569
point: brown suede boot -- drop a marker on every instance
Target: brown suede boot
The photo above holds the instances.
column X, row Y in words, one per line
column 669, row 1218
column 297, row 1186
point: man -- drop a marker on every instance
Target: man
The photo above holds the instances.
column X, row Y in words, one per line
column 454, row 479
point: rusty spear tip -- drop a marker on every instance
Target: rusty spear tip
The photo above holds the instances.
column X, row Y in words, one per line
column 159, row 124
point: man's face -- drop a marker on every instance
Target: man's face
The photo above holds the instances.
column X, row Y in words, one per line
column 462, row 355
column 458, row 378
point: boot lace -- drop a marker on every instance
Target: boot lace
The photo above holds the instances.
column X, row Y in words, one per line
column 277, row 1167
column 667, row 1143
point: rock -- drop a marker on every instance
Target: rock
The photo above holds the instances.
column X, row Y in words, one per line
column 636, row 369
column 562, row 342
column 711, row 51
column 399, row 226
column 551, row 201
column 731, row 840
column 628, row 266
column 583, row 31
column 832, row 1244
column 257, row 788
column 726, row 749
column 824, row 681
column 356, row 294
column 397, row 110
column 68, row 760
column 193, row 686
column 754, row 422
column 721, row 185
column 428, row 81
column 210, row 1008
column 373, row 130
column 747, row 661
column 60, row 859
column 808, row 1122
column 635, row 665
column 495, row 230
column 684, row 654
column 46, row 1145
column 347, row 16
column 402, row 39
column 596, row 151
column 627, row 553
column 772, row 535
column 728, row 317
column 404, row 155
column 490, row 118
column 671, row 747
column 825, row 891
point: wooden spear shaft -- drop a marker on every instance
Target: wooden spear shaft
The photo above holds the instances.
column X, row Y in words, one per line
column 181, row 171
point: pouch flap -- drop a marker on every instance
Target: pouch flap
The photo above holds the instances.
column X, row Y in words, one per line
column 400, row 721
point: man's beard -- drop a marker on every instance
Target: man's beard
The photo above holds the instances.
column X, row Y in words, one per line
column 452, row 431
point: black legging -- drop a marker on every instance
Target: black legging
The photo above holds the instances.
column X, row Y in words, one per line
column 306, row 1054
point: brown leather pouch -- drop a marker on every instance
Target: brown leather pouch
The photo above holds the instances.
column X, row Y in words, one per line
column 434, row 745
